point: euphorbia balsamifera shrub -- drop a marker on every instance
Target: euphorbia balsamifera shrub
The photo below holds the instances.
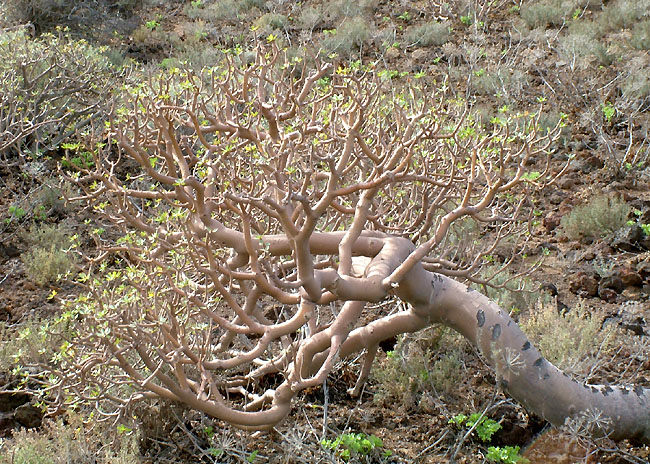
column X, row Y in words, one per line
column 272, row 201
column 53, row 88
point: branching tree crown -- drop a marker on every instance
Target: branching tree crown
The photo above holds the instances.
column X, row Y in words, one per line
column 264, row 205
column 52, row 88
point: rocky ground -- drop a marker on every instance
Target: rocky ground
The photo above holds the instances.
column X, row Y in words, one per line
column 495, row 55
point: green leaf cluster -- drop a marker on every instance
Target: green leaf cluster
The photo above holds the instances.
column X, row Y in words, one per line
column 505, row 454
column 349, row 445
column 483, row 426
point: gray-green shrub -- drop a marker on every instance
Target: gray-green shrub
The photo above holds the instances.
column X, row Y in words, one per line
column 91, row 16
column 573, row 341
column 310, row 17
column 342, row 9
column 431, row 363
column 349, row 37
column 544, row 13
column 72, row 440
column 52, row 87
column 270, row 22
column 623, row 14
column 598, row 218
column 429, row 34
column 641, row 35
column 46, row 258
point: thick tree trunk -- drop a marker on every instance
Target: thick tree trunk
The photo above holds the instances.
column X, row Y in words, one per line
column 616, row 411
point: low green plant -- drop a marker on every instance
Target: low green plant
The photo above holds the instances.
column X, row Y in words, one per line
column 349, row 37
column 608, row 111
column 196, row 55
column 16, row 213
column 46, row 259
column 342, row 9
column 578, row 48
column 484, row 427
column 152, row 24
column 146, row 36
column 225, row 10
column 406, row 16
column 601, row 216
column 310, row 17
column 502, row 82
column 26, row 344
column 584, row 28
column 250, row 4
column 635, row 87
column 574, row 341
column 641, row 35
column 603, row 55
column 428, row 34
column 420, row 367
column 71, row 84
column 77, row 157
column 49, row 199
column 72, row 440
column 354, row 445
column 505, row 454
column 544, row 13
column 623, row 14
column 391, row 74
column 269, row 22
column 85, row 15
column 195, row 34
column 644, row 227
column 194, row 9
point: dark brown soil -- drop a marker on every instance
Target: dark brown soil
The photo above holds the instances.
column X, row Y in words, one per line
column 609, row 276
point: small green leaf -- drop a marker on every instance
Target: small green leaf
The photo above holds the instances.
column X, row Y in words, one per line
column 123, row 429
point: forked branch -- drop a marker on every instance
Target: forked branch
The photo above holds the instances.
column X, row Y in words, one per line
column 270, row 208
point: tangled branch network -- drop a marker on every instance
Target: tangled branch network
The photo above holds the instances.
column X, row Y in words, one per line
column 264, row 205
